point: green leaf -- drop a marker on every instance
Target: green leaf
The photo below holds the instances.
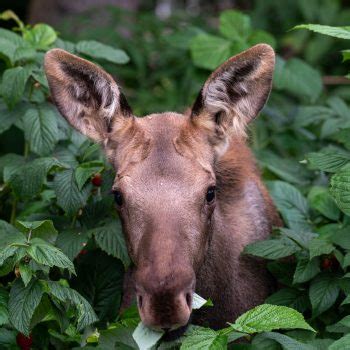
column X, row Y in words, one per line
column 260, row 36
column 266, row 317
column 8, row 339
column 86, row 314
column 13, row 84
column 209, row 51
column 341, row 237
column 327, row 160
column 298, row 78
column 323, row 293
column 69, row 198
column 306, row 270
column 86, row 170
column 235, row 25
column 40, row 129
column 23, row 301
column 41, row 36
column 100, row 281
column 307, row 115
column 340, row 190
column 110, row 238
column 337, row 32
column 9, row 234
column 7, row 46
column 39, row 229
column 7, row 118
column 341, row 344
column 291, row 204
column 25, row 272
column 287, row 343
column 289, row 297
column 198, row 301
column 272, row 248
column 72, row 242
column 204, row 339
column 4, row 315
column 321, row 200
column 46, row 254
column 98, row 50
column 319, row 246
column 145, row 337
column 27, row 180
column 342, row 326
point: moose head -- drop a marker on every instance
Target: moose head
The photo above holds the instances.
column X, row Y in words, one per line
column 165, row 184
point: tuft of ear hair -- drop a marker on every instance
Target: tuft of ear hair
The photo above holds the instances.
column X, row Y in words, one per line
column 235, row 93
column 85, row 94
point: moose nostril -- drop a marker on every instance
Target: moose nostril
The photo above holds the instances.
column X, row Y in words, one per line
column 189, row 300
column 139, row 300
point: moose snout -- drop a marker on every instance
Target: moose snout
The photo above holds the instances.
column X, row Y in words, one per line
column 165, row 307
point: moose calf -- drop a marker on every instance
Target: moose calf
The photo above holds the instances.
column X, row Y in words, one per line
column 187, row 189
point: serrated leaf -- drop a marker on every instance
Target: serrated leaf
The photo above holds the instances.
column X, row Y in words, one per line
column 145, row 337
column 25, row 272
column 319, row 246
column 4, row 315
column 46, row 254
column 69, row 198
column 39, row 229
column 235, row 25
column 204, row 339
column 321, row 200
column 209, row 51
column 323, row 293
column 9, row 234
column 86, row 314
column 13, row 84
column 266, row 317
column 292, row 298
column 288, row 343
column 7, row 118
column 327, row 160
column 40, row 129
column 341, row 344
column 307, row 115
column 337, row 32
column 22, row 303
column 86, row 170
column 340, row 190
column 98, row 50
column 110, row 239
column 41, row 36
column 291, row 203
column 72, row 242
column 306, row 270
column 27, row 180
column 272, row 249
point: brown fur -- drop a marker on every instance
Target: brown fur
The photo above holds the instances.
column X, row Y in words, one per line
column 165, row 164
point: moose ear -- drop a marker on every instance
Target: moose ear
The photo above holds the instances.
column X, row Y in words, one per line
column 235, row 92
column 85, row 94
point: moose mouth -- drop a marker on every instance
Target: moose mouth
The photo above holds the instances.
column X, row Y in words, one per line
column 171, row 335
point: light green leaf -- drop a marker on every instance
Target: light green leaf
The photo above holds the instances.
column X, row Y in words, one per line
column 272, row 248
column 22, row 303
column 110, row 239
column 145, row 337
column 235, row 25
column 340, row 190
column 327, row 160
column 260, row 36
column 46, row 254
column 204, row 339
column 209, row 51
column 13, row 84
column 69, row 198
column 86, row 314
column 39, row 229
column 98, row 50
column 323, row 293
column 86, row 170
column 40, row 129
column 291, row 204
column 198, row 301
column 319, row 246
column 341, row 344
column 41, row 36
column 298, row 78
column 337, row 32
column 266, row 317
column 306, row 270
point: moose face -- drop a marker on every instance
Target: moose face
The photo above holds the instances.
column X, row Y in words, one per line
column 165, row 184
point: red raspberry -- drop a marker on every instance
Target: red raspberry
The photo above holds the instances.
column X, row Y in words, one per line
column 24, row 342
column 97, row 180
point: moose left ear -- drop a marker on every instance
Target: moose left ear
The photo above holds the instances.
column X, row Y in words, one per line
column 235, row 92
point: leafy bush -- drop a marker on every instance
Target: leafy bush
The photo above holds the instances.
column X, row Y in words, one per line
column 62, row 252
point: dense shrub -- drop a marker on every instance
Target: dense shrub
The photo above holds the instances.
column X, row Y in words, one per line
column 62, row 253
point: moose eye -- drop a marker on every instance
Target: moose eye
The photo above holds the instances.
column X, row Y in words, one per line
column 118, row 197
column 210, row 196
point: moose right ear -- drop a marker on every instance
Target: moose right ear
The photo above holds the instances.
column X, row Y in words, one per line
column 85, row 94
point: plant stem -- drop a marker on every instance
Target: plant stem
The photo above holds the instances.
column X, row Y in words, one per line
column 26, row 149
column 29, row 236
column 13, row 211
